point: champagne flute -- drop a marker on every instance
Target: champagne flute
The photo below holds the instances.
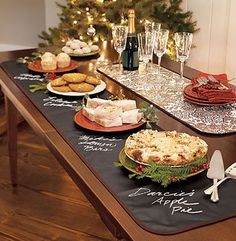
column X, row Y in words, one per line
column 152, row 27
column 183, row 43
column 145, row 41
column 119, row 35
column 160, row 45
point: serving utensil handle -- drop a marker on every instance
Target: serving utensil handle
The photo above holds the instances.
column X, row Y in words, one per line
column 215, row 195
column 210, row 189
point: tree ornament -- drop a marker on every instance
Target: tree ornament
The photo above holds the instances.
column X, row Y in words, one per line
column 91, row 31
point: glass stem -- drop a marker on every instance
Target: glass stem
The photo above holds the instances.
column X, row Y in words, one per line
column 119, row 60
column 181, row 69
column 152, row 58
column 146, row 67
column 159, row 65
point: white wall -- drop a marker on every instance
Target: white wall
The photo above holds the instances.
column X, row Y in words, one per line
column 21, row 21
column 51, row 11
column 215, row 42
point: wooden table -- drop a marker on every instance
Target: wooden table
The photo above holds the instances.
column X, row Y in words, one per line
column 113, row 214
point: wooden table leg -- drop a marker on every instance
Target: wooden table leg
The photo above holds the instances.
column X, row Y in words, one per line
column 11, row 112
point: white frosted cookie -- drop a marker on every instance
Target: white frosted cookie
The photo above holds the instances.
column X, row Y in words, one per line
column 83, row 44
column 86, row 50
column 75, row 45
column 68, row 43
column 76, row 41
column 94, row 48
column 78, row 51
column 67, row 50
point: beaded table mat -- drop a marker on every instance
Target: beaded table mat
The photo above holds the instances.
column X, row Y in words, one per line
column 166, row 91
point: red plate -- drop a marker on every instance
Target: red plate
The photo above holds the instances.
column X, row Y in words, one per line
column 204, row 103
column 188, row 90
column 36, row 67
column 84, row 122
column 196, row 99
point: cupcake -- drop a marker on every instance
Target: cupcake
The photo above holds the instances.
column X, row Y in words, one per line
column 63, row 60
column 49, row 63
column 47, row 55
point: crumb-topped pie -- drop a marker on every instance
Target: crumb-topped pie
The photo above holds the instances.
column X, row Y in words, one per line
column 165, row 147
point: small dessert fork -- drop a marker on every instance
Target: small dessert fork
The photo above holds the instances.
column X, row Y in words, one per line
column 212, row 79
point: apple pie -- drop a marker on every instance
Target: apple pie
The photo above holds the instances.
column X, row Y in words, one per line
column 165, row 147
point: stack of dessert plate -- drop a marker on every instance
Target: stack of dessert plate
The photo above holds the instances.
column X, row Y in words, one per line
column 194, row 98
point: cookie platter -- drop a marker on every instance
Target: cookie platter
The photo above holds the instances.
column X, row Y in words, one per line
column 76, row 84
column 99, row 88
column 78, row 48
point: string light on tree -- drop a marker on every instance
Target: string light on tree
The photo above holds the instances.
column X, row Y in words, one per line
column 92, row 20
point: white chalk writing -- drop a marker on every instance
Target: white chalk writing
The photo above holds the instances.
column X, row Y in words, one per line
column 176, row 201
column 100, row 143
column 58, row 102
column 29, row 77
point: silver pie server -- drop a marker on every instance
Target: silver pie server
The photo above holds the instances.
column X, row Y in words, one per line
column 216, row 172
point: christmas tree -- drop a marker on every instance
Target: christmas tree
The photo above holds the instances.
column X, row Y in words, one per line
column 93, row 19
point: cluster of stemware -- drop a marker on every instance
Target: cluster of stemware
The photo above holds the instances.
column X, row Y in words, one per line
column 154, row 40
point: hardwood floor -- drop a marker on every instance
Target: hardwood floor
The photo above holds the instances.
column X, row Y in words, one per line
column 46, row 205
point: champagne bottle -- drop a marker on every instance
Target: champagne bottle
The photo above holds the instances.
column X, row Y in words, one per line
column 130, row 54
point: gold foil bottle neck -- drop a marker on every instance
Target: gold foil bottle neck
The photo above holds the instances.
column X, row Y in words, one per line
column 131, row 13
column 131, row 22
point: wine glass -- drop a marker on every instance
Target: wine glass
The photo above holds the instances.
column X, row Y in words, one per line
column 152, row 27
column 145, row 41
column 119, row 35
column 183, row 43
column 160, row 45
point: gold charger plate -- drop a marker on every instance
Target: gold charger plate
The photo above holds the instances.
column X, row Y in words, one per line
column 138, row 170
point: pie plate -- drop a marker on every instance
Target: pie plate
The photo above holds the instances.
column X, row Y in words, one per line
column 140, row 171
